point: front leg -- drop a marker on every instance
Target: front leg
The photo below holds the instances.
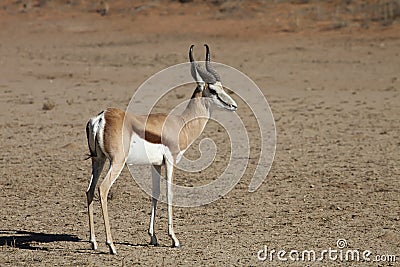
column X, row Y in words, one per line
column 156, row 177
column 169, row 165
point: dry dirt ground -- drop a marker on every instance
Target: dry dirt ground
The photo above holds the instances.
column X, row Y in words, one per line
column 335, row 95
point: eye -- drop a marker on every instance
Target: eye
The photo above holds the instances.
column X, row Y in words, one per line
column 212, row 91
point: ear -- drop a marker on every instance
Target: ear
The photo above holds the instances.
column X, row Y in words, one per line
column 196, row 76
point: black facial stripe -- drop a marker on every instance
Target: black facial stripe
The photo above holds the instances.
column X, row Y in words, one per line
column 223, row 101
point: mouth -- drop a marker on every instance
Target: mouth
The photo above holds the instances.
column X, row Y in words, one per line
column 232, row 107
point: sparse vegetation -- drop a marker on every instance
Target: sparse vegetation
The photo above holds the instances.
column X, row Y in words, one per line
column 301, row 14
column 48, row 104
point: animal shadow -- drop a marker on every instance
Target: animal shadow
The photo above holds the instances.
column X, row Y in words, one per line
column 29, row 240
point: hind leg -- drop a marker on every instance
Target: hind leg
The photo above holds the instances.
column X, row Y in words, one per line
column 112, row 175
column 97, row 167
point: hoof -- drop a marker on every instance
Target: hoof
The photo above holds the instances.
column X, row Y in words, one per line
column 154, row 241
column 113, row 251
column 94, row 245
column 175, row 241
column 176, row 245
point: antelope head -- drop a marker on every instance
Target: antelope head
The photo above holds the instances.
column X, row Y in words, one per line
column 209, row 83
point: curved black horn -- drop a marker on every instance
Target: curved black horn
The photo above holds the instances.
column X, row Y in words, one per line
column 206, row 76
column 191, row 53
column 207, row 53
column 194, row 66
column 208, row 64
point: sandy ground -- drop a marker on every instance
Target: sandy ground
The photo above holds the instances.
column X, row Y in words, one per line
column 335, row 96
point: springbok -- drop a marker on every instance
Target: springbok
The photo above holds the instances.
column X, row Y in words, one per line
column 155, row 139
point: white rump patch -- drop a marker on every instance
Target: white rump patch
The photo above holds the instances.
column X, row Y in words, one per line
column 97, row 124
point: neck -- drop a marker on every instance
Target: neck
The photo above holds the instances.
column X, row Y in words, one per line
column 195, row 116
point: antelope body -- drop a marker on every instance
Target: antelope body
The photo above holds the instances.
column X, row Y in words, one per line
column 155, row 139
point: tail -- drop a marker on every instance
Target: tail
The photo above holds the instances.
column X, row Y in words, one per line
column 91, row 139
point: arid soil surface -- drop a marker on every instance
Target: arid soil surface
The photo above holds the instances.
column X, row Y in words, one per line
column 334, row 90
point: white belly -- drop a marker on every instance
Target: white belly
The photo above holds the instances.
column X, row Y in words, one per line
column 143, row 152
